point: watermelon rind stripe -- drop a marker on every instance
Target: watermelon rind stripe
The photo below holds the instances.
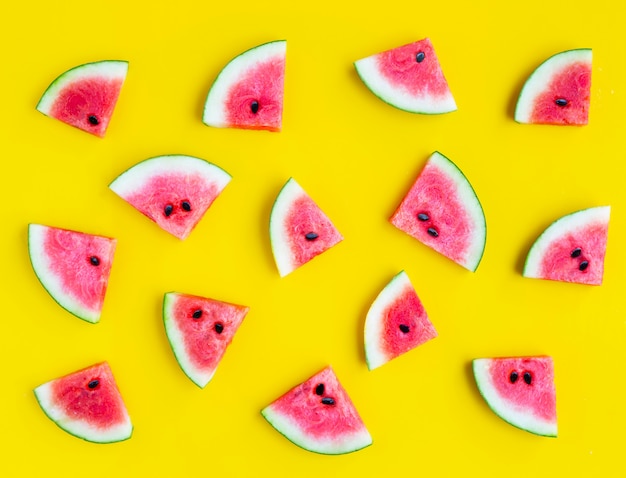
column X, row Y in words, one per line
column 519, row 418
column 78, row 428
column 112, row 69
column 281, row 248
column 337, row 445
column 215, row 105
column 539, row 80
column 562, row 227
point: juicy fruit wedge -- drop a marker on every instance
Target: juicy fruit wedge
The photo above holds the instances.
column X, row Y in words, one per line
column 408, row 77
column 442, row 211
column 199, row 330
column 248, row 93
column 174, row 191
column 73, row 267
column 395, row 323
column 87, row 404
column 86, row 95
column 571, row 249
column 520, row 390
column 558, row 91
column 299, row 229
column 318, row 416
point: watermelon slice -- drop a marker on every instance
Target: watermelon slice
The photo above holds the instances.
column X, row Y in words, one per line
column 319, row 416
column 520, row 390
column 299, row 229
column 395, row 323
column 442, row 211
column 174, row 191
column 86, row 95
column 572, row 248
column 87, row 404
column 248, row 92
column 199, row 330
column 408, row 77
column 558, row 91
column 73, row 267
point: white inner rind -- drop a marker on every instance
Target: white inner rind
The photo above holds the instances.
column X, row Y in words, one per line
column 215, row 105
column 79, row 428
column 133, row 179
column 200, row 377
column 509, row 412
column 109, row 69
column 45, row 273
column 345, row 443
column 375, row 355
column 564, row 226
column 540, row 80
column 370, row 74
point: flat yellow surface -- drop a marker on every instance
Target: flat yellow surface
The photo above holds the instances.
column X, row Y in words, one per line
column 356, row 156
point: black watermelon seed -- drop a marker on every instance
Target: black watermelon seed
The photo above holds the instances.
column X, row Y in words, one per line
column 328, row 401
column 168, row 210
column 561, row 102
column 93, row 384
column 319, row 390
column 528, row 377
column 404, row 328
column 254, row 107
column 432, row 231
column 93, row 120
column 186, row 206
column 583, row 265
column 311, row 236
column 423, row 216
column 420, row 57
column 513, row 377
column 576, row 252
column 219, row 328
column 94, row 261
column 197, row 314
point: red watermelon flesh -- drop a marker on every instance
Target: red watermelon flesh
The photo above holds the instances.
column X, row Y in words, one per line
column 319, row 416
column 87, row 404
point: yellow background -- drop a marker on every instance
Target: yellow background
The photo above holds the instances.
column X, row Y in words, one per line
column 356, row 156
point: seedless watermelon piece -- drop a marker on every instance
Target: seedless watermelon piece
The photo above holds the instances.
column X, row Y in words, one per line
column 86, row 95
column 319, row 416
column 396, row 323
column 572, row 248
column 520, row 390
column 73, row 267
column 248, row 93
column 199, row 330
column 408, row 77
column 442, row 211
column 558, row 91
column 299, row 229
column 174, row 191
column 87, row 404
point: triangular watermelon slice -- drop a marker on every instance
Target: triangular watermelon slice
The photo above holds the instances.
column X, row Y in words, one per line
column 86, row 95
column 396, row 323
column 319, row 416
column 87, row 404
column 408, row 77
column 73, row 267
column 572, row 248
column 199, row 330
column 174, row 190
column 299, row 229
column 520, row 390
column 558, row 91
column 248, row 93
column 442, row 211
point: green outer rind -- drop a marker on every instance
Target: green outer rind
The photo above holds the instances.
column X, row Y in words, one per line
column 293, row 433
column 214, row 113
column 521, row 420
column 540, row 78
column 110, row 68
column 560, row 227
column 281, row 249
